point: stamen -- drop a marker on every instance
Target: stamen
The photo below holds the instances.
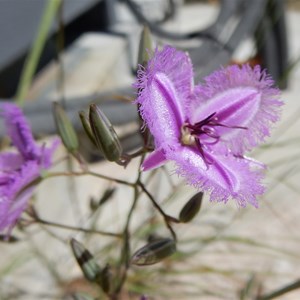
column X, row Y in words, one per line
column 191, row 134
column 200, row 148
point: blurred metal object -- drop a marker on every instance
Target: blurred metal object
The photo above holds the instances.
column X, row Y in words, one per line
column 157, row 11
column 272, row 43
column 249, row 17
column 252, row 17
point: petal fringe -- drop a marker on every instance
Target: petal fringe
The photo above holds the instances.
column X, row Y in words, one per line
column 13, row 203
column 228, row 177
column 18, row 129
column 164, row 88
column 240, row 92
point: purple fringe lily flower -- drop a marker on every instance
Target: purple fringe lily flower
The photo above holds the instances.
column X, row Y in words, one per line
column 206, row 129
column 18, row 169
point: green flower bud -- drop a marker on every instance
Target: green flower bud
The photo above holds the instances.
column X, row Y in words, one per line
column 86, row 261
column 154, row 252
column 191, row 208
column 105, row 136
column 86, row 126
column 145, row 46
column 65, row 128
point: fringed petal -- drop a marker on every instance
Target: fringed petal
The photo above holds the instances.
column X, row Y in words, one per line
column 239, row 97
column 176, row 66
column 206, row 130
column 13, row 199
column 17, row 170
column 227, row 177
column 18, row 129
column 164, row 88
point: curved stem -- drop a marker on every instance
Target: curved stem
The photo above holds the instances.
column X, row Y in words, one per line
column 286, row 289
column 85, row 173
column 125, row 255
column 166, row 217
column 69, row 227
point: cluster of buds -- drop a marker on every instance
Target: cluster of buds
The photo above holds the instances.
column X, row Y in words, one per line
column 97, row 127
column 101, row 133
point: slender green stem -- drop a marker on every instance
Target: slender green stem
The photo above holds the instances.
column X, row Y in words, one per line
column 286, row 289
column 52, row 234
column 140, row 152
column 86, row 230
column 86, row 173
column 125, row 256
column 126, row 229
column 124, row 182
column 166, row 217
column 36, row 50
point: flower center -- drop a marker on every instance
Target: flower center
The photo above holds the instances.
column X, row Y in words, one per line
column 203, row 133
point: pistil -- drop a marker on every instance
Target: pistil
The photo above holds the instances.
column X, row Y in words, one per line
column 191, row 134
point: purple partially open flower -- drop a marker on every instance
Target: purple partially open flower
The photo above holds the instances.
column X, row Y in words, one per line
column 206, row 129
column 19, row 169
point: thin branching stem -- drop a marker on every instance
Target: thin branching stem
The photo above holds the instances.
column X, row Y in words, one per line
column 90, row 173
column 166, row 217
column 75, row 228
column 125, row 255
column 139, row 188
column 284, row 290
column 139, row 152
